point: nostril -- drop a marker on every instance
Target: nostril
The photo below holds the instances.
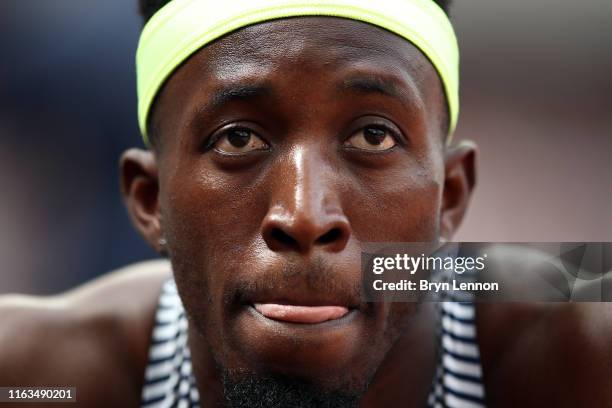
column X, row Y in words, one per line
column 330, row 236
column 302, row 235
column 283, row 238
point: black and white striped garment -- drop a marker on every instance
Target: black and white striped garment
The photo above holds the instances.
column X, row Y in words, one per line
column 458, row 382
column 169, row 381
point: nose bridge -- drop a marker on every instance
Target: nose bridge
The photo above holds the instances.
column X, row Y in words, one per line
column 305, row 210
column 311, row 190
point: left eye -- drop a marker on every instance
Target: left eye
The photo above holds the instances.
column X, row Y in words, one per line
column 239, row 140
column 372, row 139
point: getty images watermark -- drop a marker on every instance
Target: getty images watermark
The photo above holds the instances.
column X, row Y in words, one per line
column 487, row 272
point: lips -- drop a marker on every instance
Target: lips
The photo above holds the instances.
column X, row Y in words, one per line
column 303, row 294
column 301, row 314
column 297, row 326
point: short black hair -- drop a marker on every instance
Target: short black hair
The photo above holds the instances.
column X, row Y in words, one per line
column 150, row 7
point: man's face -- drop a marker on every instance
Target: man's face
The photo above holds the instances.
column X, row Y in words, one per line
column 283, row 148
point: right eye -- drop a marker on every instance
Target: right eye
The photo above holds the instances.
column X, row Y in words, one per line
column 239, row 141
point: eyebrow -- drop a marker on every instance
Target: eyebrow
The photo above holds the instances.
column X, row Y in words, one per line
column 232, row 93
column 374, row 84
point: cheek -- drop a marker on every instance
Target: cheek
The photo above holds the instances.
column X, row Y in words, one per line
column 398, row 206
column 212, row 225
column 206, row 214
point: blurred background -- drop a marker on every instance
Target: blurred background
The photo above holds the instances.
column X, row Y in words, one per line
column 536, row 97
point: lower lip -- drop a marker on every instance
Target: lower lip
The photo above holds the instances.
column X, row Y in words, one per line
column 301, row 314
column 296, row 348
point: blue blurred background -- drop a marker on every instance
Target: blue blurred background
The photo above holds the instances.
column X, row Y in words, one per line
column 536, row 96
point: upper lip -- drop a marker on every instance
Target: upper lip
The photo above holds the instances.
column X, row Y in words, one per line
column 317, row 282
column 296, row 297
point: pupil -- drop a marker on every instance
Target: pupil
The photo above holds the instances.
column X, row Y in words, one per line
column 239, row 138
column 374, row 136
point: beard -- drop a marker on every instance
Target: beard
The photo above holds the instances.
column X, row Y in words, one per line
column 281, row 391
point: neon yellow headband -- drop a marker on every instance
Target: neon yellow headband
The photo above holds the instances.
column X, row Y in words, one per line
column 182, row 27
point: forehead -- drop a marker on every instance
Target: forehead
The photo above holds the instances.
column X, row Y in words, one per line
column 295, row 38
column 282, row 52
column 314, row 41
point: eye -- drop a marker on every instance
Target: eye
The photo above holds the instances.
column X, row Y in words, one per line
column 239, row 141
column 372, row 138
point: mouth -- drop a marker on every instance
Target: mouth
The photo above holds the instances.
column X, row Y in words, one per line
column 301, row 306
column 298, row 302
column 302, row 314
column 296, row 329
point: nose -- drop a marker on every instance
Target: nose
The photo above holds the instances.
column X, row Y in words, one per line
column 305, row 212
column 303, row 232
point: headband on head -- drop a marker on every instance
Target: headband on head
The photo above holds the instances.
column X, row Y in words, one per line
column 182, row 27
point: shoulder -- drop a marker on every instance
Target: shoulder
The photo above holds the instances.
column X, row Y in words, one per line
column 556, row 353
column 560, row 354
column 94, row 337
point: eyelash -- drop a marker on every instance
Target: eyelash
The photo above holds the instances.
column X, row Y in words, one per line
column 216, row 136
column 394, row 133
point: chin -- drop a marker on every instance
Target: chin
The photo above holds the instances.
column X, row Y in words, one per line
column 339, row 354
column 249, row 390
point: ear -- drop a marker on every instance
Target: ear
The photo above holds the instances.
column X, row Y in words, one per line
column 140, row 190
column 460, row 179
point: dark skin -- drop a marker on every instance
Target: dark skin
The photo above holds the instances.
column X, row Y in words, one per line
column 286, row 146
column 301, row 238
